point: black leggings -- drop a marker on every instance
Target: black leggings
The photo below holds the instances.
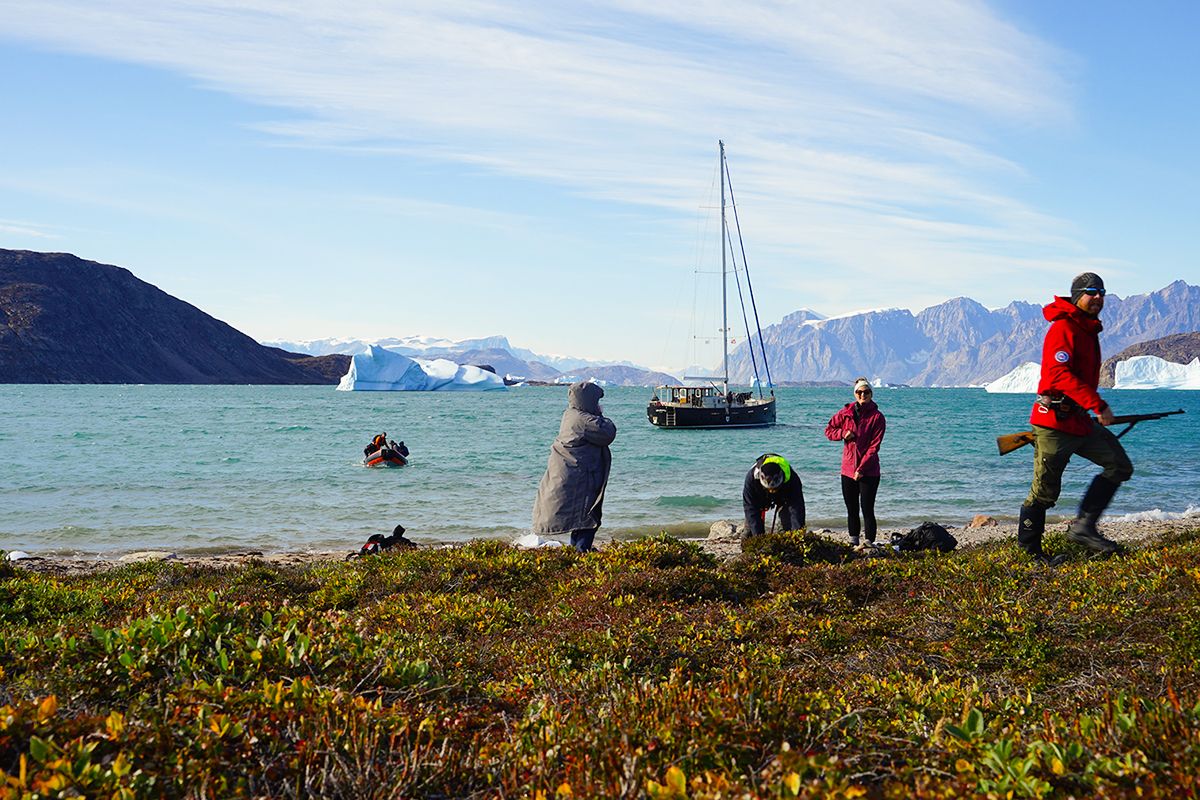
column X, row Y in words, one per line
column 856, row 492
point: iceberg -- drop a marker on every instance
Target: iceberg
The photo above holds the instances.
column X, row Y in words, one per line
column 1152, row 372
column 381, row 370
column 1022, row 380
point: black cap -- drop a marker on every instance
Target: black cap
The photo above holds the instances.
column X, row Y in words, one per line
column 1085, row 280
column 770, row 475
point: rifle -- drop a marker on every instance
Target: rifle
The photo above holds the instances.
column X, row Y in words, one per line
column 1014, row 441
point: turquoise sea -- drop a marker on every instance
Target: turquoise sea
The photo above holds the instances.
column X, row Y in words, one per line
column 112, row 469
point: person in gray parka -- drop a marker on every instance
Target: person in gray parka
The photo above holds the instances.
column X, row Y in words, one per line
column 571, row 493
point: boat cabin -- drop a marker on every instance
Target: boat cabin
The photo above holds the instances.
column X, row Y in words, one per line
column 698, row 396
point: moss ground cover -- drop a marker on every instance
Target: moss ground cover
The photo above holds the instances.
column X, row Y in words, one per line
column 644, row 670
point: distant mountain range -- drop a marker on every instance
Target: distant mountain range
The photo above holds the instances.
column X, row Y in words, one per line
column 956, row 343
column 67, row 320
column 433, row 347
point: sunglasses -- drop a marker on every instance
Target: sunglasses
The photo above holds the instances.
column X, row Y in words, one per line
column 1093, row 291
column 862, row 391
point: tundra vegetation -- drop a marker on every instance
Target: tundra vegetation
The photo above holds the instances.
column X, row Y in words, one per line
column 644, row 670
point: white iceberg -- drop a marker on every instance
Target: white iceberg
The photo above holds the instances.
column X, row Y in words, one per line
column 1022, row 380
column 380, row 370
column 1152, row 372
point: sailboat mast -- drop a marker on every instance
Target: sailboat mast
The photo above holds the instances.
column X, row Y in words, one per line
column 724, row 303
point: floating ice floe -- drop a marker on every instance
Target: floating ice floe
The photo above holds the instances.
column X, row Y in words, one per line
column 1152, row 372
column 380, row 370
column 1022, row 380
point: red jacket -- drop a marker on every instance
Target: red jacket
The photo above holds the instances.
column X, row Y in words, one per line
column 862, row 454
column 1070, row 367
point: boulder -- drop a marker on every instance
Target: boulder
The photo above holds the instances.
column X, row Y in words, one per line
column 982, row 521
column 726, row 530
column 724, row 539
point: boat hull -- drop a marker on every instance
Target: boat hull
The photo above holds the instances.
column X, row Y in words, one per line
column 385, row 458
column 759, row 414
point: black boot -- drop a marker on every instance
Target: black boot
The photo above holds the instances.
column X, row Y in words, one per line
column 1030, row 527
column 1083, row 529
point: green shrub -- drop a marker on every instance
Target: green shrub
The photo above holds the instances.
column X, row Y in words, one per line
column 644, row 670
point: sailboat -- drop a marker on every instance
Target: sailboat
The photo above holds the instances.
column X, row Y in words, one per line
column 714, row 405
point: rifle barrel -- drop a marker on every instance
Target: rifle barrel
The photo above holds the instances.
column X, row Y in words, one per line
column 1143, row 417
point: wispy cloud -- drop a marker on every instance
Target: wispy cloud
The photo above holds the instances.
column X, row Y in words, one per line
column 34, row 230
column 862, row 131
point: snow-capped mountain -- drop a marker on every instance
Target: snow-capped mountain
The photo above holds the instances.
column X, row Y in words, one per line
column 956, row 343
column 432, row 346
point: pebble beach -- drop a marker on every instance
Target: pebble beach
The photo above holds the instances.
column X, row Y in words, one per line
column 723, row 541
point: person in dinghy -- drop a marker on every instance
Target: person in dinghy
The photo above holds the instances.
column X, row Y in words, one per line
column 384, row 452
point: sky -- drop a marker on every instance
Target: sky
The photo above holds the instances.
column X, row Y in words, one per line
column 304, row 169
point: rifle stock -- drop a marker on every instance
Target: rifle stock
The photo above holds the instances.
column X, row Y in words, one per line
column 1013, row 441
column 1008, row 442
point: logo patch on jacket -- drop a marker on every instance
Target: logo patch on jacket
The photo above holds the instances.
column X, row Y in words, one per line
column 1062, row 356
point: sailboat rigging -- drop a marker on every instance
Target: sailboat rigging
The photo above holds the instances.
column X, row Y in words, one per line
column 715, row 405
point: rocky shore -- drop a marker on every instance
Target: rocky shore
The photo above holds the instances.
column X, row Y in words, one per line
column 723, row 541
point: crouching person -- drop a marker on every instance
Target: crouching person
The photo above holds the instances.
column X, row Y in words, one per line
column 772, row 483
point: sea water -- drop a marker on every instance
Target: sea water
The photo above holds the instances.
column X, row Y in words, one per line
column 111, row 469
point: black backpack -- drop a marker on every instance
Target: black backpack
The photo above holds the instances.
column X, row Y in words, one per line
column 926, row 536
column 377, row 543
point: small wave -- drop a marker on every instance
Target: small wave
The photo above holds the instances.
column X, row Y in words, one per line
column 1157, row 514
column 231, row 460
column 690, row 501
column 292, row 428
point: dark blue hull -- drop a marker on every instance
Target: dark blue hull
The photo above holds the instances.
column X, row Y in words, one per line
column 752, row 415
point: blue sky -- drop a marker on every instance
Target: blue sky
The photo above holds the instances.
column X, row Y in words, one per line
column 303, row 169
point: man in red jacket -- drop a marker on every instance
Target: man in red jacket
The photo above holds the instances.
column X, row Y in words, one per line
column 1062, row 426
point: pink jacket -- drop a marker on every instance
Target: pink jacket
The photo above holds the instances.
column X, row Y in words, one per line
column 862, row 453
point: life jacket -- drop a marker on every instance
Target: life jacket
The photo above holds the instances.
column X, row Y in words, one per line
column 379, row 442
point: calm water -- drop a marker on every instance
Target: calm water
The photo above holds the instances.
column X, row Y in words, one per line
column 111, row 469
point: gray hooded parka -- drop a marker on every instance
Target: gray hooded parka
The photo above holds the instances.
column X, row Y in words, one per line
column 571, row 493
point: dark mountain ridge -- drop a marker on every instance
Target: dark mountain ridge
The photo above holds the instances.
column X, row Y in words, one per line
column 67, row 320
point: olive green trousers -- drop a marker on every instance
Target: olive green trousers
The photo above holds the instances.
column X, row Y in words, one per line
column 1054, row 448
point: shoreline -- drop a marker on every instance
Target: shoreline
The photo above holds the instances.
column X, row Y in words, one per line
column 719, row 543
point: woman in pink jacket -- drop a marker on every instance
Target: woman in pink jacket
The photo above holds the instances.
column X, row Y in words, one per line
column 859, row 426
